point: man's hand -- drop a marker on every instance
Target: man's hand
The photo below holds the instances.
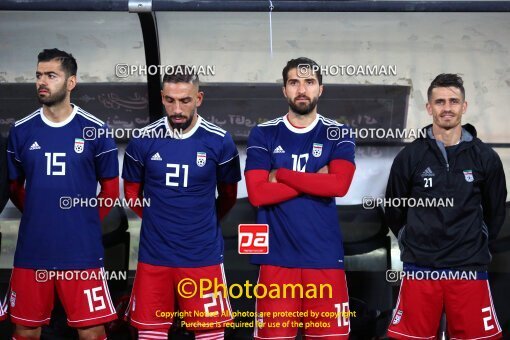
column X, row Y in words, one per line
column 272, row 176
column 324, row 170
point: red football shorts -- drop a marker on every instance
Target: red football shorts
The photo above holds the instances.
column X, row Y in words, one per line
column 84, row 295
column 158, row 288
column 320, row 317
column 468, row 306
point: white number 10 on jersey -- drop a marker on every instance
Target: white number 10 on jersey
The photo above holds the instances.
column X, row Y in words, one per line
column 299, row 162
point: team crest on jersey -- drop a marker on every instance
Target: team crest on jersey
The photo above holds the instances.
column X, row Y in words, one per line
column 397, row 317
column 468, row 175
column 201, row 158
column 317, row 150
column 13, row 299
column 79, row 145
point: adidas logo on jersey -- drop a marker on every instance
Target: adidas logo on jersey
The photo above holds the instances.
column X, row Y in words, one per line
column 35, row 146
column 156, row 157
column 427, row 173
column 279, row 149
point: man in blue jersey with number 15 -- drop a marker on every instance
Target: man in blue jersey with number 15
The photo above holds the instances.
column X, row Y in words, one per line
column 178, row 164
column 51, row 164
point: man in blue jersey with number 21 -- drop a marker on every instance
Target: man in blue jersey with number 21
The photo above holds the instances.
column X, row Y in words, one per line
column 178, row 165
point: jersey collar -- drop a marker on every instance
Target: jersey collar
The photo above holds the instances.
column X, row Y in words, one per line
column 62, row 123
column 302, row 130
column 187, row 134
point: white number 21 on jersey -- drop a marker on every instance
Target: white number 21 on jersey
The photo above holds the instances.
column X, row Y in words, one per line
column 175, row 173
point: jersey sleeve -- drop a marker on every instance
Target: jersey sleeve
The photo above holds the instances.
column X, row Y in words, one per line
column 345, row 147
column 133, row 167
column 229, row 170
column 399, row 185
column 258, row 156
column 105, row 158
column 494, row 196
column 14, row 165
column 4, row 181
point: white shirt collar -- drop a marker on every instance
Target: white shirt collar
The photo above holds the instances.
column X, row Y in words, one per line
column 62, row 123
column 300, row 130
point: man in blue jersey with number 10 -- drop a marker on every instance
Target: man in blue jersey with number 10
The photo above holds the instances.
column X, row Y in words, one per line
column 51, row 165
column 178, row 164
column 296, row 165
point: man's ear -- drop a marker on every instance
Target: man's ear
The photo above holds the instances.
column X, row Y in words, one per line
column 200, row 98
column 71, row 83
column 429, row 108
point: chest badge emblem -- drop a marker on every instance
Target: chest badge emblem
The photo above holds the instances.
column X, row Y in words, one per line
column 201, row 158
column 79, row 145
column 468, row 175
column 317, row 150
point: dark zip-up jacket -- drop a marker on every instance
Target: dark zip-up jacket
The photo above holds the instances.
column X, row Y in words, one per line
column 457, row 236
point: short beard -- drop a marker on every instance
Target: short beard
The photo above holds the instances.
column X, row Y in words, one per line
column 181, row 126
column 56, row 98
column 303, row 110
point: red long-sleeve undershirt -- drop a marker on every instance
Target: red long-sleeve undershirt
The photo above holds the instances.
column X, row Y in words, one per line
column 133, row 192
column 227, row 195
column 109, row 189
column 17, row 193
column 336, row 183
column 290, row 183
column 262, row 192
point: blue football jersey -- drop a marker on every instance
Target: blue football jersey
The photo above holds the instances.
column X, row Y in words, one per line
column 304, row 232
column 59, row 164
column 179, row 174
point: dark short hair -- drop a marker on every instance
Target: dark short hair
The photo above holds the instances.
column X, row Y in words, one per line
column 301, row 62
column 181, row 74
column 67, row 61
column 447, row 80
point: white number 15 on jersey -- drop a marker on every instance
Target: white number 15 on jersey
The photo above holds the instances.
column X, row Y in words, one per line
column 54, row 167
